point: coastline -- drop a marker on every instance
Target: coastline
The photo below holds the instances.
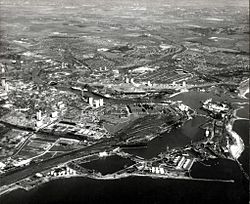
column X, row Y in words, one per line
column 243, row 91
column 238, row 147
column 113, row 177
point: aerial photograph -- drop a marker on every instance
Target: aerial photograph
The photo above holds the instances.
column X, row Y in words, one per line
column 124, row 101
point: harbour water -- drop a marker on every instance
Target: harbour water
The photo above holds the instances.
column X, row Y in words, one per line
column 189, row 132
column 108, row 165
column 194, row 98
column 243, row 112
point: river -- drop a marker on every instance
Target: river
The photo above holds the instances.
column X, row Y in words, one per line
column 189, row 132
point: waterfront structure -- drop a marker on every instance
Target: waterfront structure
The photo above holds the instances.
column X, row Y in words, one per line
column 181, row 162
column 161, row 170
column 103, row 154
column 187, row 164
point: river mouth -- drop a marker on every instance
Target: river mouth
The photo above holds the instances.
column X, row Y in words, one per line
column 176, row 138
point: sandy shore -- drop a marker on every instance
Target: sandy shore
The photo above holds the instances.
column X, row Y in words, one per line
column 244, row 90
column 238, row 147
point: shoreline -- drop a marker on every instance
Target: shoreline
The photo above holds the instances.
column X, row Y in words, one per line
column 238, row 147
column 112, row 177
column 243, row 92
column 178, row 93
column 240, row 108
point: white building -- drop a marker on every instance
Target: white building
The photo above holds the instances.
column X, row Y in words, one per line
column 207, row 133
column 116, row 72
column 54, row 114
column 183, row 107
column 132, row 80
column 157, row 170
column 3, row 82
column 184, row 83
column 39, row 124
column 97, row 103
column 2, row 165
column 161, row 170
column 103, row 154
column 91, row 101
column 101, row 102
column 6, row 87
column 39, row 115
column 61, row 105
